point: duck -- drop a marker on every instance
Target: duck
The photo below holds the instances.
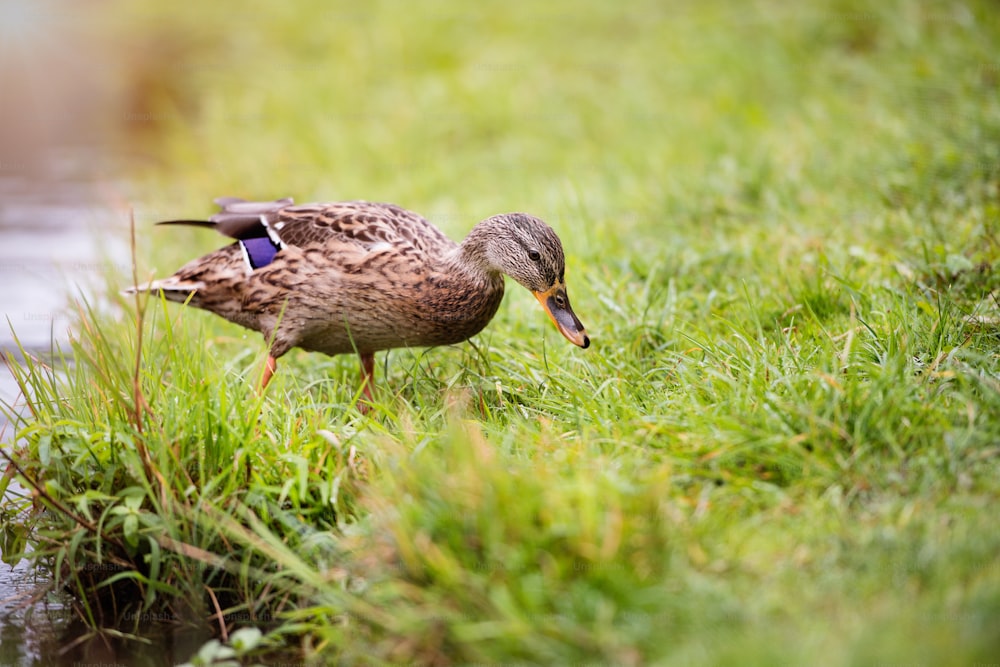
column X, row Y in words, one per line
column 362, row 277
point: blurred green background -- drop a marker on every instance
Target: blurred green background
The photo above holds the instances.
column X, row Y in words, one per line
column 626, row 125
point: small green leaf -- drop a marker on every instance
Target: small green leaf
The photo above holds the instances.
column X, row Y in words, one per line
column 130, row 528
column 53, row 488
column 14, row 539
column 45, row 450
column 154, row 558
column 245, row 639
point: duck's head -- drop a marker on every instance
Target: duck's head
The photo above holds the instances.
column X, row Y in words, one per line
column 527, row 250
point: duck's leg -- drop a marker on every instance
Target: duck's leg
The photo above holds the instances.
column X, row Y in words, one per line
column 270, row 366
column 367, row 381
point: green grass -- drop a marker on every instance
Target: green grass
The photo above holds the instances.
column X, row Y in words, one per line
column 781, row 226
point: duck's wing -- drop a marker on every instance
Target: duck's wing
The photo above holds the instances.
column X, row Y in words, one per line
column 263, row 228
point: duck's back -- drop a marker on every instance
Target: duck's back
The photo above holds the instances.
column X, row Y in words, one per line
column 355, row 222
column 333, row 277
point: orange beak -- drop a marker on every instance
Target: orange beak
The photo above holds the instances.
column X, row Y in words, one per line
column 556, row 304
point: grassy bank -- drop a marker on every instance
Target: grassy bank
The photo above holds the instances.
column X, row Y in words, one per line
column 781, row 226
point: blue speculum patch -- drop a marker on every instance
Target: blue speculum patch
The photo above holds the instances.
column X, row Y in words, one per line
column 260, row 251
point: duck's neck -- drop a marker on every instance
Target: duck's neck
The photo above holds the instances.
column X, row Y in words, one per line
column 472, row 256
column 467, row 289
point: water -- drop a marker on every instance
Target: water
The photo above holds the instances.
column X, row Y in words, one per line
column 57, row 243
column 30, row 627
column 59, row 240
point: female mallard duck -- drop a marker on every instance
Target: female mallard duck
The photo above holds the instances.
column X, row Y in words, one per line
column 362, row 276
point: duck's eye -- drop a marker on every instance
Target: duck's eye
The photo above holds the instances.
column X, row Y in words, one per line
column 534, row 255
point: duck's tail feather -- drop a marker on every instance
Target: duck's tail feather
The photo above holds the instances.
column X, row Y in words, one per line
column 238, row 219
column 171, row 289
column 190, row 223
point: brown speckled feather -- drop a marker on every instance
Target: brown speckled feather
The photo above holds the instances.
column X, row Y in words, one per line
column 366, row 223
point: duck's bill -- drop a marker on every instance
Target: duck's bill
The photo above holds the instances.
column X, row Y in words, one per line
column 556, row 304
